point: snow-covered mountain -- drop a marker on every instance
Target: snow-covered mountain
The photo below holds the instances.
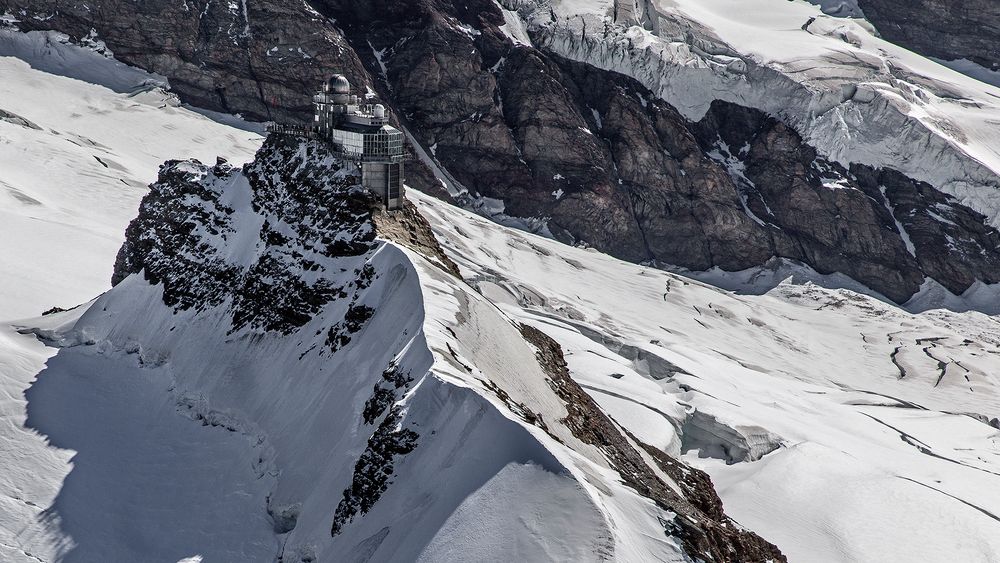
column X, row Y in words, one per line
column 276, row 361
column 282, row 372
column 350, row 396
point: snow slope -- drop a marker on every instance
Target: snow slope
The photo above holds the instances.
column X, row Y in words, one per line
column 840, row 426
column 87, row 138
column 853, row 96
column 172, row 432
column 823, row 416
column 884, row 422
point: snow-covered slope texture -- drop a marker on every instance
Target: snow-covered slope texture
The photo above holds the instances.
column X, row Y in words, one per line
column 81, row 136
column 841, row 428
column 855, row 97
column 268, row 380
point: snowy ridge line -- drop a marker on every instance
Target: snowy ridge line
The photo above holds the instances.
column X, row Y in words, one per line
column 935, row 129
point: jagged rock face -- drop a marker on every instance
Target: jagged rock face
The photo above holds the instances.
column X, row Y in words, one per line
column 877, row 226
column 312, row 207
column 259, row 59
column 947, row 29
column 591, row 153
column 608, row 165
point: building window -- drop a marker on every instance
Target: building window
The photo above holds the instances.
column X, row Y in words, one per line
column 394, row 186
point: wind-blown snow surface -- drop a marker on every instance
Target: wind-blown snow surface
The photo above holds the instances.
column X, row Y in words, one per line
column 81, row 136
column 852, row 95
column 835, row 425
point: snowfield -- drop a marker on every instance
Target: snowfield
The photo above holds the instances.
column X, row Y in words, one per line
column 838, row 426
column 81, row 136
column 835, row 425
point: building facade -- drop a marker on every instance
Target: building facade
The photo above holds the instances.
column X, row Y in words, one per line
column 361, row 133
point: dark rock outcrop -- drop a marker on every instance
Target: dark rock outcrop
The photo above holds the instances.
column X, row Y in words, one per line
column 877, row 226
column 408, row 227
column 946, row 29
column 259, row 59
column 701, row 523
column 374, row 469
column 180, row 237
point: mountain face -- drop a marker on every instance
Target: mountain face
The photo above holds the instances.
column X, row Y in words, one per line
column 946, row 29
column 592, row 156
column 259, row 59
column 389, row 408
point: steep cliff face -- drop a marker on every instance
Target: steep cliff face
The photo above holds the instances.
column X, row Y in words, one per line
column 946, row 29
column 411, row 393
column 877, row 226
column 259, row 59
column 590, row 155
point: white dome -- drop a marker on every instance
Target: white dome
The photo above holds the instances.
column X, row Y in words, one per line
column 379, row 110
column 339, row 85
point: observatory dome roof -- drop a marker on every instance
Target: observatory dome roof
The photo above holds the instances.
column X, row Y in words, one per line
column 339, row 84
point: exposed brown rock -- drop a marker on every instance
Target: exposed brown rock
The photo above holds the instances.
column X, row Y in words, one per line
column 700, row 523
column 408, row 227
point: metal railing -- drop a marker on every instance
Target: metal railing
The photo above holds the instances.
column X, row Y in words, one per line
column 298, row 130
column 362, row 157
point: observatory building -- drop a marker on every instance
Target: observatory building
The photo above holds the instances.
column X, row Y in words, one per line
column 359, row 133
